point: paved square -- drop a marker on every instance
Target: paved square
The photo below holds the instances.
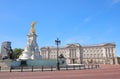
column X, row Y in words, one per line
column 104, row 72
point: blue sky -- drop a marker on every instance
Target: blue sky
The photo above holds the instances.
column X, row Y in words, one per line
column 73, row 21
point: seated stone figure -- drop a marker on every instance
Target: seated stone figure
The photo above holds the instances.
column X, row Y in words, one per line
column 9, row 53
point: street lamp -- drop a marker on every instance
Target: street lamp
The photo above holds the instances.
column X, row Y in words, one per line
column 57, row 42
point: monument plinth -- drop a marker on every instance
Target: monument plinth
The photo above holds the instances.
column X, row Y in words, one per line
column 31, row 50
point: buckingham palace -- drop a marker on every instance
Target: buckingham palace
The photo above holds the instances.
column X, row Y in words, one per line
column 77, row 54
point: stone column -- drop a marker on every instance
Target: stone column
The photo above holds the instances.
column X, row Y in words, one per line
column 106, row 55
column 110, row 52
column 106, row 52
column 115, row 58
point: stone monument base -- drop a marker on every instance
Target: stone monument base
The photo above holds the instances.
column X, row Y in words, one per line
column 36, row 63
column 23, row 63
column 5, row 64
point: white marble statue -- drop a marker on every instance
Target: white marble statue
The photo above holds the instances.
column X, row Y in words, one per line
column 31, row 50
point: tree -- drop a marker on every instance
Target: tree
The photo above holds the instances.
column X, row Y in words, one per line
column 17, row 52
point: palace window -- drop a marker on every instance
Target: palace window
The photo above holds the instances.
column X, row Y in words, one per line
column 94, row 55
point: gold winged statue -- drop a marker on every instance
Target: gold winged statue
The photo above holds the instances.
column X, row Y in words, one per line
column 32, row 30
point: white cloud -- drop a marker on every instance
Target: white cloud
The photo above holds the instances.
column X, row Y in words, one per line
column 115, row 1
column 88, row 19
column 79, row 39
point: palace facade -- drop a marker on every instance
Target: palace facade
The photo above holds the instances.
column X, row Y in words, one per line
column 77, row 54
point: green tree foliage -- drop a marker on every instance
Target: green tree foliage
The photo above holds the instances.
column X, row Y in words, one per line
column 17, row 52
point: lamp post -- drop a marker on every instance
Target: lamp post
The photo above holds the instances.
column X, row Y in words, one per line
column 57, row 42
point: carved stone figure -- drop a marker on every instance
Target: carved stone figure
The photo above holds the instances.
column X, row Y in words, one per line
column 9, row 52
column 6, row 50
column 31, row 50
column 32, row 27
